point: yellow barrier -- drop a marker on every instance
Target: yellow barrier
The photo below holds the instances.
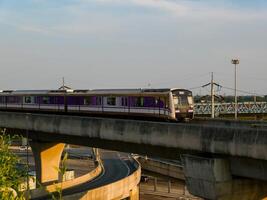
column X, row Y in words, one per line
column 127, row 187
column 44, row 191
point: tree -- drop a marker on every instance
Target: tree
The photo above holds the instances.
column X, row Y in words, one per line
column 10, row 175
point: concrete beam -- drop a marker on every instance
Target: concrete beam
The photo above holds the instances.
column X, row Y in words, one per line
column 204, row 176
column 47, row 160
column 250, row 168
column 210, row 178
column 243, row 142
column 161, row 167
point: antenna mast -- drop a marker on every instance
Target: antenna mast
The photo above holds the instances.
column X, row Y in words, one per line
column 63, row 82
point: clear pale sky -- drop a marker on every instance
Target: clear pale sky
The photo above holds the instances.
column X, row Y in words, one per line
column 132, row 43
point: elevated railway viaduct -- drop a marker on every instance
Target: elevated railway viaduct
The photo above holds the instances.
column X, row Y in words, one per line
column 222, row 159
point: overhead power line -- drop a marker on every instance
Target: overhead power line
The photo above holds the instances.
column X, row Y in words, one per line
column 243, row 91
column 194, row 88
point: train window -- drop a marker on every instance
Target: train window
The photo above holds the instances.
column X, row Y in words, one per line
column 87, row 100
column 183, row 100
column 111, row 101
column 190, row 100
column 139, row 102
column 98, row 100
column 45, row 100
column 176, row 102
column 124, row 101
column 12, row 99
column 2, row 100
column 28, row 99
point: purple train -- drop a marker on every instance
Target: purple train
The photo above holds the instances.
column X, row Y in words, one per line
column 172, row 104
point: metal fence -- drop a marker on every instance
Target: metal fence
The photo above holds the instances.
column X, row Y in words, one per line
column 229, row 108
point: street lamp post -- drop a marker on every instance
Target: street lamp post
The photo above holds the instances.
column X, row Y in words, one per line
column 235, row 62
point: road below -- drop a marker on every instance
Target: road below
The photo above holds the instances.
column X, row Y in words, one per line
column 116, row 167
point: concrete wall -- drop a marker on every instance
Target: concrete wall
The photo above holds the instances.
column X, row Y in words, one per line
column 210, row 178
column 167, row 169
column 244, row 142
column 250, row 168
column 127, row 187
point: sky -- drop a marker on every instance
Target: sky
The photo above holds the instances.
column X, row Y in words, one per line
column 133, row 44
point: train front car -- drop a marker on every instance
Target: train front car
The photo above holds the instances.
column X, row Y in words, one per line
column 183, row 104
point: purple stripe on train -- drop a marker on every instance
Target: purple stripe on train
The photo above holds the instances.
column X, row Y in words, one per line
column 80, row 100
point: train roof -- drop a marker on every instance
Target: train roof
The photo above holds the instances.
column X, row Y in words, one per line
column 91, row 92
column 33, row 92
column 139, row 90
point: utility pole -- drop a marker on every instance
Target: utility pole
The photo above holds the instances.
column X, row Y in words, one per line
column 235, row 62
column 212, row 94
column 255, row 99
column 255, row 102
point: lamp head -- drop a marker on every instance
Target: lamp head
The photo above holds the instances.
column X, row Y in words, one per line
column 235, row 61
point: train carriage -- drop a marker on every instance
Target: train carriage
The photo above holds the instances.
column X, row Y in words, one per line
column 173, row 104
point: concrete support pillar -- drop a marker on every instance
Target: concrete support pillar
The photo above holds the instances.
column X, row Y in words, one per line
column 169, row 186
column 47, row 160
column 206, row 177
column 155, row 184
column 210, row 178
column 134, row 194
column 24, row 141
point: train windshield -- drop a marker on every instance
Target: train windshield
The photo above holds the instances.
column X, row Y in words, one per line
column 190, row 100
column 182, row 98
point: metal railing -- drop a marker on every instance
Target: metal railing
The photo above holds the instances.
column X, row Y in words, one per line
column 229, row 108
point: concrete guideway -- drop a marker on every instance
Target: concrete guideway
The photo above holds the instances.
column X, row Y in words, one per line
column 234, row 146
column 173, row 137
column 205, row 121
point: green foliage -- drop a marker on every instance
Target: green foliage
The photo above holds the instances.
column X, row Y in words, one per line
column 61, row 170
column 10, row 175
